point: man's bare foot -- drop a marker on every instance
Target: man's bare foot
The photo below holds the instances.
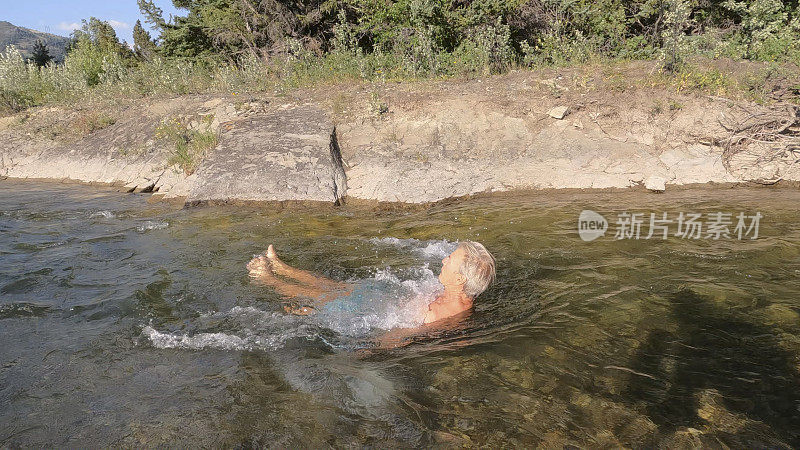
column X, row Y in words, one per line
column 323, row 288
column 301, row 276
column 273, row 258
column 259, row 266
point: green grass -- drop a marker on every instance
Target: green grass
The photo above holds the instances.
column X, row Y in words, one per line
column 23, row 85
column 189, row 145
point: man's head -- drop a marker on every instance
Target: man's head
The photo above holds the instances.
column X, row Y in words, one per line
column 470, row 266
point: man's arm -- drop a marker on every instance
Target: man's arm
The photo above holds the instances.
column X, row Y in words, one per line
column 435, row 320
column 399, row 337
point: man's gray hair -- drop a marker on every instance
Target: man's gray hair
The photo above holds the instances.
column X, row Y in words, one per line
column 477, row 268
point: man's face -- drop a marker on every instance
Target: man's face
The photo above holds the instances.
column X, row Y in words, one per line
column 450, row 265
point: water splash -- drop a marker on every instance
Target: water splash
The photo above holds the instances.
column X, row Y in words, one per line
column 152, row 225
column 251, row 329
column 104, row 213
column 387, row 302
column 437, row 248
column 391, row 303
column 220, row 341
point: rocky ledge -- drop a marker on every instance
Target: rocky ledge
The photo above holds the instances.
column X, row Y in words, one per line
column 420, row 150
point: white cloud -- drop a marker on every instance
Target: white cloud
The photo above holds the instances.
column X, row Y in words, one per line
column 72, row 26
column 69, row 26
column 117, row 24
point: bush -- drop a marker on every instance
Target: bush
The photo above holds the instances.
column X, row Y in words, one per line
column 375, row 40
column 15, row 94
column 190, row 144
column 12, row 102
column 677, row 19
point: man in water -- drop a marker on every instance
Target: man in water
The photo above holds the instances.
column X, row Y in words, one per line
column 465, row 274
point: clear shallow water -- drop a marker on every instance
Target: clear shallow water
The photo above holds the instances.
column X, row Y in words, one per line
column 124, row 323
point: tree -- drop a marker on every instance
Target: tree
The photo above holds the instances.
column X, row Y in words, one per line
column 231, row 28
column 100, row 34
column 143, row 45
column 152, row 14
column 97, row 52
column 41, row 56
column 183, row 36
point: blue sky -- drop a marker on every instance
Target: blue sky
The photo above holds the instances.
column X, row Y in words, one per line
column 61, row 17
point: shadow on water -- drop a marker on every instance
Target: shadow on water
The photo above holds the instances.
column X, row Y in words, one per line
column 318, row 400
column 714, row 348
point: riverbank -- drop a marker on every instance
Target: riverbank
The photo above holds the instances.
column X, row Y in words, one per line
column 577, row 128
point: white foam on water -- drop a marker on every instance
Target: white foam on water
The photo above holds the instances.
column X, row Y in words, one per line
column 152, row 225
column 255, row 330
column 220, row 341
column 437, row 248
column 106, row 214
column 53, row 244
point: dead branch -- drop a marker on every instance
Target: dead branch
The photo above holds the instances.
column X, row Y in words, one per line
column 777, row 126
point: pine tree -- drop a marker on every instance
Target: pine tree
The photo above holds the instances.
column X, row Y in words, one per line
column 152, row 13
column 143, row 45
column 40, row 54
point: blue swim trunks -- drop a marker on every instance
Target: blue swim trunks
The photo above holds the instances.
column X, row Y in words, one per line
column 365, row 296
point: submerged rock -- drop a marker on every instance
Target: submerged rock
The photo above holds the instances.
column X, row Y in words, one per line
column 782, row 315
column 711, row 408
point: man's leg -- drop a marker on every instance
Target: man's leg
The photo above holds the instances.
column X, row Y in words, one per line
column 302, row 276
column 260, row 270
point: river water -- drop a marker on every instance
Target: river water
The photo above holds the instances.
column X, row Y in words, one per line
column 128, row 323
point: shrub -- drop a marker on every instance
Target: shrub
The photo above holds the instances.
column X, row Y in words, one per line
column 12, row 102
column 190, row 144
column 376, row 40
column 677, row 20
column 14, row 81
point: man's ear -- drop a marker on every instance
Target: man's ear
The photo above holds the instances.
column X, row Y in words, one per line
column 461, row 279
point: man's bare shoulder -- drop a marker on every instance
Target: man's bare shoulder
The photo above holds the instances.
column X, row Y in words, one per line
column 440, row 310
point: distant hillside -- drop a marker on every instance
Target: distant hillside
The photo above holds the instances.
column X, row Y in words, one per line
column 24, row 39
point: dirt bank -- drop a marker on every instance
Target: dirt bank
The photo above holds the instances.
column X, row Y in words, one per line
column 413, row 142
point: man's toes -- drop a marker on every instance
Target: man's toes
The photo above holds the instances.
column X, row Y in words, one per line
column 270, row 252
column 259, row 266
column 265, row 263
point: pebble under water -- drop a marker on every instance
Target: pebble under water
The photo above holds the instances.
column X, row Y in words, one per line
column 125, row 323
